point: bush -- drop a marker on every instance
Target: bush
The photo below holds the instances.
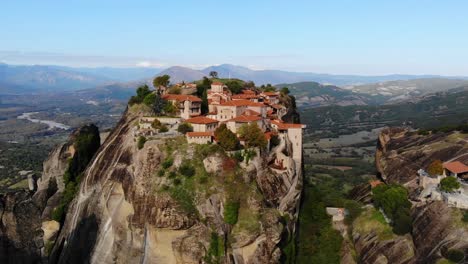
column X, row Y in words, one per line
column 177, row 181
column 172, row 174
column 161, row 173
column 167, row 163
column 238, row 156
column 455, row 255
column 465, row 216
column 141, row 142
column 184, row 128
column 186, row 169
column 231, row 212
column 435, row 168
column 163, row 129
column 150, row 99
column 156, row 124
column 449, row 184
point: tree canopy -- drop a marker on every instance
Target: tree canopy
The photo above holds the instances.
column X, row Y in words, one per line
column 393, row 199
column 184, row 128
column 141, row 92
column 449, row 184
column 214, row 74
column 161, row 81
column 226, row 139
column 435, row 168
column 253, row 135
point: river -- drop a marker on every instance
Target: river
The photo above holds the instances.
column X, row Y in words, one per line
column 51, row 124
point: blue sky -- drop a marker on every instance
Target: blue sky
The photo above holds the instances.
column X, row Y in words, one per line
column 353, row 37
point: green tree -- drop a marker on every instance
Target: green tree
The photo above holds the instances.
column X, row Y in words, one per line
column 269, row 88
column 253, row 135
column 143, row 91
column 393, row 199
column 234, row 86
column 214, row 74
column 161, row 81
column 170, row 108
column 159, row 104
column 449, row 184
column 184, row 128
column 175, row 90
column 204, row 104
column 226, row 139
column 285, row 90
column 435, row 168
column 150, row 99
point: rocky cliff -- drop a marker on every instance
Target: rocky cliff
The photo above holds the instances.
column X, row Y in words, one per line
column 171, row 202
column 27, row 230
column 437, row 228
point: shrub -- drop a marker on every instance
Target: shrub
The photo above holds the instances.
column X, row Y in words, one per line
column 163, row 129
column 231, row 212
column 161, row 172
column 238, row 156
column 177, row 181
column 150, row 99
column 167, row 163
column 449, row 184
column 186, row 169
column 465, row 216
column 455, row 255
column 141, row 142
column 435, row 168
column 423, row 132
column 172, row 174
column 184, row 128
column 156, row 124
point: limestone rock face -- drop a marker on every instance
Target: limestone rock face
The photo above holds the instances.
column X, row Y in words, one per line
column 401, row 153
column 25, row 228
column 122, row 213
column 437, row 228
column 372, row 250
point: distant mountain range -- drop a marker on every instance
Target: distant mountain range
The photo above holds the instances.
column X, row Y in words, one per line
column 21, row 79
column 277, row 76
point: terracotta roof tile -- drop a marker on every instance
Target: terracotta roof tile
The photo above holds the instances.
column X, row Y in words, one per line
column 201, row 120
column 456, row 167
column 284, row 126
column 241, row 103
column 245, row 119
column 181, row 97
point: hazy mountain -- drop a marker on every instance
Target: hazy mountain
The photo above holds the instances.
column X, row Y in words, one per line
column 120, row 74
column 313, row 94
column 179, row 74
column 20, row 79
column 278, row 76
column 402, row 90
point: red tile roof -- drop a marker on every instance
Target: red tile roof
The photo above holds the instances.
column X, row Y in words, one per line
column 456, row 167
column 241, row 103
column 181, row 97
column 201, row 120
column 199, row 134
column 244, row 96
column 248, row 92
column 375, row 183
column 217, row 83
column 270, row 93
column 245, row 119
column 284, row 126
column 249, row 112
